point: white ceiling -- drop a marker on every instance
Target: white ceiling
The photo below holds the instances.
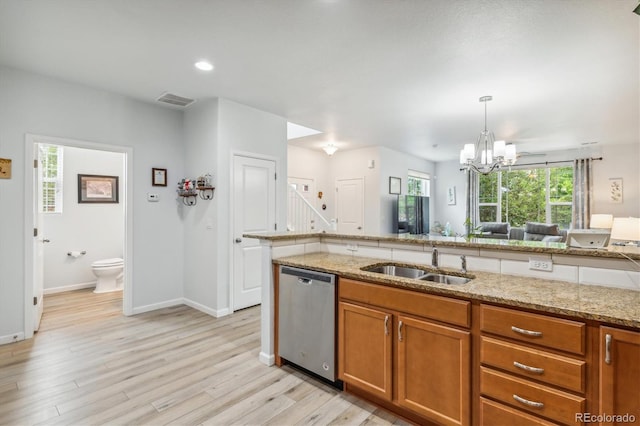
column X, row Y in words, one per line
column 402, row 74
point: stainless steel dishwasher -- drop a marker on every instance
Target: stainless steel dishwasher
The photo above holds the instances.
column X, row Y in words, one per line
column 307, row 320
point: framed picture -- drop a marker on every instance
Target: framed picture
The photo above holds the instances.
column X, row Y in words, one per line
column 395, row 185
column 5, row 168
column 97, row 189
column 158, row 177
column 451, row 196
column 615, row 190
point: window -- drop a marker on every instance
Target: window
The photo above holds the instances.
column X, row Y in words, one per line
column 534, row 195
column 50, row 160
column 418, row 183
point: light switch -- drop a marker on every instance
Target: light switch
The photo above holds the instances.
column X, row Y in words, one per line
column 151, row 197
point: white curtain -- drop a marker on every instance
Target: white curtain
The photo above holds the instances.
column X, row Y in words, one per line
column 473, row 209
column 582, row 192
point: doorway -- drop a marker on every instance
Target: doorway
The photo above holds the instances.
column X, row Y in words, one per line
column 350, row 206
column 70, row 252
column 253, row 201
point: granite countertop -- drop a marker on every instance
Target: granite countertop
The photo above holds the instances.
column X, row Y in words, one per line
column 616, row 252
column 605, row 304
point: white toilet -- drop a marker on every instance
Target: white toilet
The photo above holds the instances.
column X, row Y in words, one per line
column 109, row 273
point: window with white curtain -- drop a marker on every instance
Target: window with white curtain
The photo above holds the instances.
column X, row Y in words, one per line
column 50, row 160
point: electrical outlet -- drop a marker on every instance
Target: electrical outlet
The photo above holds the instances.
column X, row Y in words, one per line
column 540, row 264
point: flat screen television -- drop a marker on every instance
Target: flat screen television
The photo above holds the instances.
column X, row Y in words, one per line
column 411, row 215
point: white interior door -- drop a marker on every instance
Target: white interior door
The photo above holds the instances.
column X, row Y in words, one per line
column 350, row 205
column 39, row 240
column 254, row 211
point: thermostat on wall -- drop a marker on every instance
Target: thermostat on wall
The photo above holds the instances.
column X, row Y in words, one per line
column 151, row 197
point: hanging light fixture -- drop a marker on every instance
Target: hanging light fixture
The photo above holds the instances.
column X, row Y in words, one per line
column 330, row 149
column 487, row 154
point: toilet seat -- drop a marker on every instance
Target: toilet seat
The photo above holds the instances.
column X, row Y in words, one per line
column 106, row 263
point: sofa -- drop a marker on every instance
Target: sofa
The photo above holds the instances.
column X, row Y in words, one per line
column 532, row 231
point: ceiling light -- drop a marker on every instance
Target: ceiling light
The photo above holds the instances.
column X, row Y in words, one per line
column 203, row 66
column 330, row 149
column 487, row 154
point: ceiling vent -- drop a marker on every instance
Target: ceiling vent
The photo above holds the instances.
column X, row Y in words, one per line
column 170, row 98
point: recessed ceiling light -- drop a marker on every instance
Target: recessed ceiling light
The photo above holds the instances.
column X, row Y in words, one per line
column 203, row 65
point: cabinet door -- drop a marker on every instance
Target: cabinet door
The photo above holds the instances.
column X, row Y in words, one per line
column 364, row 349
column 434, row 371
column 619, row 372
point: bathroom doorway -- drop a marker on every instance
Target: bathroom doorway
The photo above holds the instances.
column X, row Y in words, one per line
column 69, row 233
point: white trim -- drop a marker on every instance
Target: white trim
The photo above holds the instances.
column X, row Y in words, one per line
column 71, row 287
column 217, row 313
column 30, row 141
column 160, row 305
column 268, row 360
column 11, row 338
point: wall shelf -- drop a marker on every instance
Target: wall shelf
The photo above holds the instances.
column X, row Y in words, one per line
column 206, row 192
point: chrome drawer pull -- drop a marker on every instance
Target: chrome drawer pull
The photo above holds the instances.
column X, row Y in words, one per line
column 528, row 368
column 526, row 332
column 607, row 347
column 527, row 402
column 386, row 325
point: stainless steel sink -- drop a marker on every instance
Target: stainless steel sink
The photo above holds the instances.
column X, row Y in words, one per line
column 398, row 271
column 445, row 279
column 416, row 273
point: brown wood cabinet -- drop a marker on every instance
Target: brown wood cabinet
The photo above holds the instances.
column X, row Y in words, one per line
column 364, row 348
column 430, row 362
column 619, row 374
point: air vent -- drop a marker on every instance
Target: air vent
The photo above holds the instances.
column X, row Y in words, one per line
column 170, row 98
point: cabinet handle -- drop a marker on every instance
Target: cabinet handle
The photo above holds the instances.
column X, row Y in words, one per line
column 526, row 332
column 527, row 402
column 528, row 368
column 386, row 325
column 400, row 331
column 607, row 348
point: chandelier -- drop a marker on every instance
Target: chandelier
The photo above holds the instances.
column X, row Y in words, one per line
column 487, row 154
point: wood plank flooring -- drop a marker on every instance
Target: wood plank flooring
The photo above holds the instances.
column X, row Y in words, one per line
column 90, row 365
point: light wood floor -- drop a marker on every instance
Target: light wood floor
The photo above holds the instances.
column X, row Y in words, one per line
column 91, row 365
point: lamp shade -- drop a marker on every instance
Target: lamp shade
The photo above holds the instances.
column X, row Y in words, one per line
column 601, row 221
column 626, row 229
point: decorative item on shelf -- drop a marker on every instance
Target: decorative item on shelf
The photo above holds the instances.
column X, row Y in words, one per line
column 487, row 154
column 204, row 185
column 188, row 192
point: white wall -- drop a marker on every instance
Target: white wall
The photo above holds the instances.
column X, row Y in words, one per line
column 215, row 129
column 398, row 164
column 96, row 228
column 448, row 175
column 311, row 164
column 40, row 105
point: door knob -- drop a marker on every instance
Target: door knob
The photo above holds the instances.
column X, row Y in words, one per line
column 238, row 240
column 359, row 227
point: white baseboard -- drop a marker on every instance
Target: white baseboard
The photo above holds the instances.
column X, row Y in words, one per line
column 267, row 359
column 155, row 306
column 69, row 287
column 11, row 338
column 217, row 313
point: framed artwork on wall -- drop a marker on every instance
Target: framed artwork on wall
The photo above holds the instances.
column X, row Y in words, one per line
column 395, row 185
column 451, row 196
column 158, row 177
column 97, row 189
column 615, row 190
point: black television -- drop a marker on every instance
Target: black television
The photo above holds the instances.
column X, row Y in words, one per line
column 411, row 215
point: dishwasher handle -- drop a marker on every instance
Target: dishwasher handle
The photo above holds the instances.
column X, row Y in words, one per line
column 304, row 281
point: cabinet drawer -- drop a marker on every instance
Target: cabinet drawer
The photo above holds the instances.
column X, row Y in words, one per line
column 541, row 330
column 539, row 365
column 493, row 413
column 531, row 397
column 452, row 311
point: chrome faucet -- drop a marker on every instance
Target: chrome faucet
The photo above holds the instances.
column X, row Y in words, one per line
column 434, row 258
column 463, row 258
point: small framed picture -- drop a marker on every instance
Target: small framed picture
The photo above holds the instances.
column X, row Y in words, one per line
column 451, row 196
column 615, row 190
column 5, row 168
column 158, row 177
column 395, row 185
column 97, row 189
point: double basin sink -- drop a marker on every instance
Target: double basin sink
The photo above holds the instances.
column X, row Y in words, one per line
column 416, row 273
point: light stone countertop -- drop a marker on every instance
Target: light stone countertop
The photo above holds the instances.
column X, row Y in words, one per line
column 604, row 304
